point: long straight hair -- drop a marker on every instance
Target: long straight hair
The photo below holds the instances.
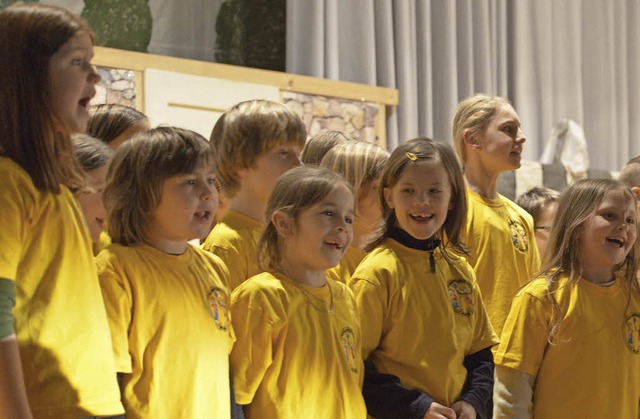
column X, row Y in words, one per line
column 32, row 136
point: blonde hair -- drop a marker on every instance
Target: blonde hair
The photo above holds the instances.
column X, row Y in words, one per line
column 296, row 190
column 357, row 161
column 425, row 149
column 577, row 204
column 138, row 171
column 248, row 130
column 474, row 114
column 317, row 146
column 91, row 153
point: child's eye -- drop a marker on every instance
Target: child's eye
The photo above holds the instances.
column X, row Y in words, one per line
column 211, row 181
column 434, row 190
column 608, row 216
column 631, row 220
column 407, row 191
column 191, row 181
column 77, row 61
column 328, row 213
column 348, row 220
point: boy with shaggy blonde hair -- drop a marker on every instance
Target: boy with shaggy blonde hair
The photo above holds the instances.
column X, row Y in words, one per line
column 255, row 141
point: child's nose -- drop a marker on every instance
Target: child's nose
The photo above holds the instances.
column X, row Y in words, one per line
column 521, row 137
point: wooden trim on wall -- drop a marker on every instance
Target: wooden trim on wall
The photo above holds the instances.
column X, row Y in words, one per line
column 137, row 61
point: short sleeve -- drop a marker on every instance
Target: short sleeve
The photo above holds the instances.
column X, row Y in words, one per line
column 15, row 214
column 525, row 333
column 118, row 303
column 252, row 353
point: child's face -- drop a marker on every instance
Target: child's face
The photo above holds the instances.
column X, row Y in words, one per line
column 323, row 232
column 73, row 81
column 501, row 144
column 261, row 178
column 608, row 235
column 543, row 225
column 187, row 206
column 367, row 207
column 91, row 201
column 421, row 198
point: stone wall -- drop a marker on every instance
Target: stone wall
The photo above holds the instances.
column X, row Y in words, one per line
column 116, row 86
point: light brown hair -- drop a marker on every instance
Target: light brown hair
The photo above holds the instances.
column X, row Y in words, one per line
column 535, row 199
column 474, row 114
column 317, row 146
column 138, row 171
column 108, row 120
column 32, row 136
column 248, row 130
column 298, row 189
column 630, row 173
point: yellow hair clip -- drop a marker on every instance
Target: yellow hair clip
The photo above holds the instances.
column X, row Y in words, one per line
column 411, row 156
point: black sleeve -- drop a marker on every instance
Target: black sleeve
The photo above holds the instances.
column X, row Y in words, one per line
column 236, row 410
column 478, row 389
column 386, row 398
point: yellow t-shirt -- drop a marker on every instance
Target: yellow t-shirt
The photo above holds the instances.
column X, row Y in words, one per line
column 293, row 358
column 103, row 242
column 235, row 240
column 502, row 251
column 593, row 368
column 60, row 319
column 419, row 325
column 170, row 329
column 342, row 272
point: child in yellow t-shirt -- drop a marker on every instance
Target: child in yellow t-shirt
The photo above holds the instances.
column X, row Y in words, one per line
column 570, row 347
column 498, row 233
column 95, row 157
column 361, row 164
column 53, row 327
column 166, row 300
column 298, row 348
column 255, row 141
column 426, row 337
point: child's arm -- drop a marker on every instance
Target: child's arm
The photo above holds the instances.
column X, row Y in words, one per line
column 385, row 397
column 478, row 388
column 512, row 394
column 13, row 396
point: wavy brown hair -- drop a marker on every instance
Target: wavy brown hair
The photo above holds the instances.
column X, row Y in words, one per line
column 30, row 34
column 138, row 171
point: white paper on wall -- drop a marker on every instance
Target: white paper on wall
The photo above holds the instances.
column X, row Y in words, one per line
column 196, row 102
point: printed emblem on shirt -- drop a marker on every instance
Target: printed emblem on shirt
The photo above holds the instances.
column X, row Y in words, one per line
column 461, row 296
column 518, row 236
column 218, row 302
column 632, row 332
column 349, row 348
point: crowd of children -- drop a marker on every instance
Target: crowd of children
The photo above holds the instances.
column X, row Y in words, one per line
column 334, row 280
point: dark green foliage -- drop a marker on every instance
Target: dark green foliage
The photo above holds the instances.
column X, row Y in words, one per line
column 123, row 24
column 252, row 33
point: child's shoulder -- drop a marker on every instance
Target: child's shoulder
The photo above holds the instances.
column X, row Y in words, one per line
column 234, row 229
column 537, row 288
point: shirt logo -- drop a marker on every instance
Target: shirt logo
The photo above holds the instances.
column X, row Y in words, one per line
column 348, row 342
column 632, row 332
column 519, row 236
column 461, row 296
column 218, row 302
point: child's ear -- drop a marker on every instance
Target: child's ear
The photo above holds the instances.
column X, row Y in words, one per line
column 388, row 197
column 283, row 223
column 470, row 139
column 636, row 192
